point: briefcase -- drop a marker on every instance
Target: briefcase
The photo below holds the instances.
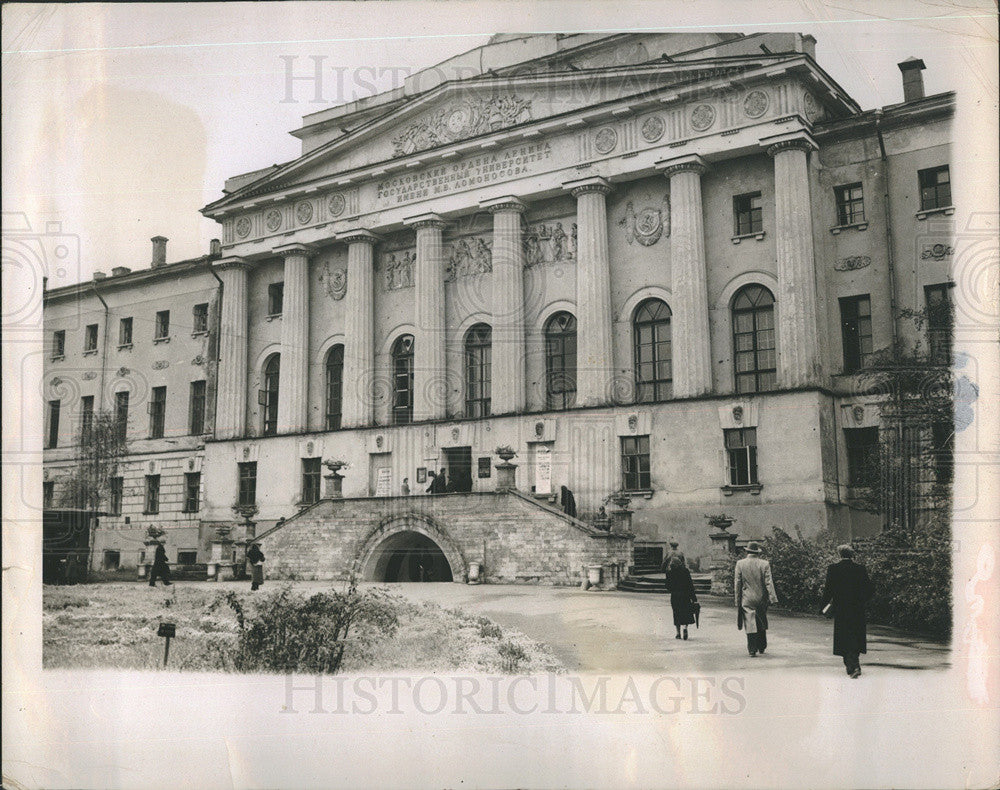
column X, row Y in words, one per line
column 696, row 609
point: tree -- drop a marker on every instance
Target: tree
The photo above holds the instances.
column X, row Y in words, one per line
column 102, row 446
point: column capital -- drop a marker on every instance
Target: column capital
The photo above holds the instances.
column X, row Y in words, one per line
column 358, row 235
column 680, row 164
column 232, row 262
column 797, row 140
column 581, row 186
column 429, row 220
column 506, row 203
column 293, row 249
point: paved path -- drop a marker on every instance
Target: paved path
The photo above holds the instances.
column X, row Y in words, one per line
column 591, row 631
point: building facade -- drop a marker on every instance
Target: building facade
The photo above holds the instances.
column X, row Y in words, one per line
column 656, row 263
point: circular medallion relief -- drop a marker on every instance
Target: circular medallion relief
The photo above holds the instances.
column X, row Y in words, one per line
column 702, row 117
column 337, row 205
column 304, row 212
column 243, row 227
column 814, row 111
column 755, row 104
column 272, row 219
column 605, row 140
column 653, row 128
column 458, row 120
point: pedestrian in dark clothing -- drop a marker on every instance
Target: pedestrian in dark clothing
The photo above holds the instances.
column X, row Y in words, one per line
column 674, row 556
column 847, row 590
column 682, row 596
column 256, row 559
column 160, row 568
column 439, row 482
column 568, row 501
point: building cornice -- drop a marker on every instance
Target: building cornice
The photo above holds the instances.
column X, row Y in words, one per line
column 142, row 277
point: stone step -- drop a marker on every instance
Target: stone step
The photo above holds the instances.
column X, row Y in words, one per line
column 653, row 583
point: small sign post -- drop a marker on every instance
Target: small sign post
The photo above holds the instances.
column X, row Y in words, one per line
column 168, row 630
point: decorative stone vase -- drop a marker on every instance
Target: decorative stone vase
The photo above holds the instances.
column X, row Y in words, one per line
column 475, row 572
column 334, row 480
column 594, row 575
column 505, row 453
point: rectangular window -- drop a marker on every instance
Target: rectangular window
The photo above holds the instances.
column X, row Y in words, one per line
column 310, row 480
column 940, row 320
column 121, row 414
column 935, row 188
column 741, row 448
column 59, row 344
column 52, row 437
column 157, row 412
column 48, row 493
column 192, row 492
column 862, row 456
column 187, row 556
column 199, row 318
column 112, row 560
column 635, row 463
column 275, row 296
column 86, row 419
column 125, row 332
column 90, row 338
column 162, row 330
column 850, row 204
column 248, row 483
column 196, row 409
column 856, row 332
column 152, row 494
column 115, row 488
column 748, row 214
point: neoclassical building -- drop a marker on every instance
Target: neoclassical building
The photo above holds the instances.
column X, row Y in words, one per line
column 644, row 262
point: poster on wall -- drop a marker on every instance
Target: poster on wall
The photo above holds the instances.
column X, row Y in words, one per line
column 543, row 471
column 383, row 481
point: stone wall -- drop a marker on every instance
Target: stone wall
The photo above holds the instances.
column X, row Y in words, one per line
column 517, row 539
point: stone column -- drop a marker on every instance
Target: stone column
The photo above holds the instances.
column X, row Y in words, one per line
column 798, row 343
column 293, row 375
column 430, row 387
column 595, row 363
column 231, row 387
column 692, row 352
column 508, row 353
column 359, row 344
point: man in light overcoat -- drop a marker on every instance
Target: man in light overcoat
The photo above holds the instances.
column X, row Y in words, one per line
column 754, row 590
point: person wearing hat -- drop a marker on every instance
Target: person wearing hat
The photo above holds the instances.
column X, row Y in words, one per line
column 847, row 590
column 674, row 557
column 754, row 590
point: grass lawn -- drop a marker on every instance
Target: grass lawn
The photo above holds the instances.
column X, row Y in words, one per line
column 114, row 626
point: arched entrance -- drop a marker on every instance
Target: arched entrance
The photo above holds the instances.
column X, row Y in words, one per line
column 410, row 557
column 409, row 549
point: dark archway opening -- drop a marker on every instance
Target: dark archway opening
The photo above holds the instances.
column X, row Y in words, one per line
column 411, row 557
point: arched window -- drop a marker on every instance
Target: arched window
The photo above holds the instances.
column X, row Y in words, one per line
column 478, row 373
column 560, row 361
column 654, row 375
column 753, row 339
column 402, row 380
column 269, row 395
column 334, row 387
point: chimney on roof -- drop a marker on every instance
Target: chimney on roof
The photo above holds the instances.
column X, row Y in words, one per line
column 159, row 250
column 118, row 271
column 100, row 276
column 215, row 248
column 913, row 80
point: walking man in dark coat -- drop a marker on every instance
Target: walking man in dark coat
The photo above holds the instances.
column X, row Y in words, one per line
column 847, row 590
column 160, row 568
column 682, row 596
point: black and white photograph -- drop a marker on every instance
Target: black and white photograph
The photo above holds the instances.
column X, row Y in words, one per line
column 501, row 395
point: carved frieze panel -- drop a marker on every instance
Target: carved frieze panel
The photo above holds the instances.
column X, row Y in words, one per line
column 647, row 224
column 702, row 117
column 852, row 263
column 755, row 103
column 396, row 269
column 461, row 120
column 937, row 252
column 334, row 280
column 468, row 256
column 549, row 242
column 653, row 127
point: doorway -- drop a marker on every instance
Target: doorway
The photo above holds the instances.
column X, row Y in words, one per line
column 459, row 461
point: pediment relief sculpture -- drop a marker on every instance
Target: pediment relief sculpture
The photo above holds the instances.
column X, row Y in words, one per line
column 461, row 120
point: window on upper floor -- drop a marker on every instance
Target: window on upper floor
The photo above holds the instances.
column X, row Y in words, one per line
column 560, row 361
column 59, row 343
column 157, row 412
column 268, row 397
column 402, row 380
column 850, row 204
column 275, row 297
column 748, row 214
column 125, row 332
column 478, row 370
column 334, row 387
column 121, row 414
column 247, row 483
column 196, row 408
column 935, row 187
column 940, row 322
column 90, row 338
column 635, row 463
column 856, row 332
column 152, row 504
column 754, row 352
column 52, row 435
column 116, row 486
column 199, row 318
column 651, row 352
column 310, row 480
column 86, row 419
column 192, row 492
column 162, row 328
column 741, row 452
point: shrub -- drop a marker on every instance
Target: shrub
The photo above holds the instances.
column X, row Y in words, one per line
column 284, row 632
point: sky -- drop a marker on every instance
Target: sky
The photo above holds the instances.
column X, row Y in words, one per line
column 121, row 121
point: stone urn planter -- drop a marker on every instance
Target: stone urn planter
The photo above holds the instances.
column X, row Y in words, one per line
column 334, row 479
column 475, row 572
column 594, row 575
column 506, row 453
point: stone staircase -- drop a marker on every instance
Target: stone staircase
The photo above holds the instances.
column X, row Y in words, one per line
column 644, row 580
